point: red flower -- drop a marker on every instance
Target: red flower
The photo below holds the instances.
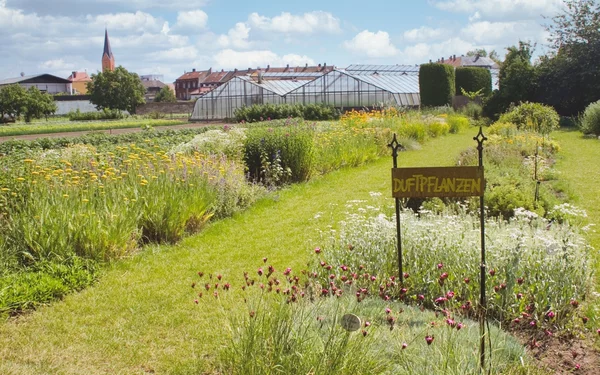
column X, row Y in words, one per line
column 219, row 276
column 265, row 259
column 260, row 272
column 444, row 276
column 317, row 250
column 429, row 339
column 367, row 323
column 421, row 297
column 200, row 274
column 332, row 276
column 364, row 333
column 325, row 292
column 440, row 300
column 550, row 314
column 492, row 272
column 450, row 295
column 196, row 301
column 252, row 313
column 459, row 326
column 406, row 275
column 451, row 322
column 574, row 303
column 226, row 286
column 387, row 310
column 404, row 345
column 440, row 266
column 467, row 280
column 519, row 295
column 520, row 280
column 373, row 278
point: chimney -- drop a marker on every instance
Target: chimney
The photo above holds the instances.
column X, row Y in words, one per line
column 209, row 70
column 268, row 67
column 319, row 65
column 442, row 59
column 287, row 67
column 260, row 76
column 430, row 61
column 74, row 75
column 194, row 70
column 222, row 71
column 235, row 70
column 454, row 57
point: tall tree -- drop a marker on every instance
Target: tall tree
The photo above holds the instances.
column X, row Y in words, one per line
column 38, row 104
column 165, row 95
column 117, row 89
column 569, row 77
column 12, row 102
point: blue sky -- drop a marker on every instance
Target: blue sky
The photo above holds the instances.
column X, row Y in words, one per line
column 170, row 37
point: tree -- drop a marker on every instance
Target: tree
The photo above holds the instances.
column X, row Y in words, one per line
column 38, row 104
column 517, row 80
column 483, row 53
column 569, row 77
column 117, row 89
column 12, row 102
column 165, row 95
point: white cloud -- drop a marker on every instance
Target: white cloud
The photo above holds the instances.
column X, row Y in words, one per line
column 503, row 33
column 306, row 23
column 422, row 34
column 181, row 54
column 191, row 20
column 57, row 64
column 138, row 21
column 423, row 52
column 372, row 44
column 497, row 9
column 236, row 37
column 230, row 59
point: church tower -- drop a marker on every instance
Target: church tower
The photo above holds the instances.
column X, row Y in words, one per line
column 108, row 59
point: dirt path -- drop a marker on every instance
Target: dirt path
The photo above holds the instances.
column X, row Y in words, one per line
column 29, row 137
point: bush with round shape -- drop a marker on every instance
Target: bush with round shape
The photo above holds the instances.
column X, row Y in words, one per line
column 533, row 116
column 590, row 122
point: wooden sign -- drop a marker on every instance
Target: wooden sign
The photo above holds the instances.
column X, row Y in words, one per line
column 437, row 182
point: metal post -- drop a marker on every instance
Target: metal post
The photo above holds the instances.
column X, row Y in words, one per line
column 535, row 172
column 480, row 138
column 396, row 146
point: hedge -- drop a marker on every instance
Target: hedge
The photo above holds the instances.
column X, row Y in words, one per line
column 473, row 79
column 436, row 84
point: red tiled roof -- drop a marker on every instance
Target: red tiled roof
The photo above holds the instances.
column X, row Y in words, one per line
column 79, row 77
column 193, row 75
column 214, row 77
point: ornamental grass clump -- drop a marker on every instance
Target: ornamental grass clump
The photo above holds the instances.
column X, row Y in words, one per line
column 290, row 322
column 534, row 267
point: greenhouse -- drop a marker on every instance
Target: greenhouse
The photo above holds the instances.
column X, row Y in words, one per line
column 358, row 86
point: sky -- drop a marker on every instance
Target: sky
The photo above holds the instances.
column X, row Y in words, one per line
column 170, row 37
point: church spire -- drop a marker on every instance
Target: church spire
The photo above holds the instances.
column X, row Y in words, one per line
column 108, row 59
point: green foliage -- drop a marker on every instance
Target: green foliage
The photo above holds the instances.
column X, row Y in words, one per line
column 104, row 114
column 472, row 110
column 38, row 104
column 117, row 89
column 569, row 77
column 290, row 148
column 165, row 95
column 590, row 122
column 437, row 84
column 473, row 79
column 267, row 112
column 16, row 101
column 457, row 123
column 12, row 102
column 517, row 79
column 533, row 117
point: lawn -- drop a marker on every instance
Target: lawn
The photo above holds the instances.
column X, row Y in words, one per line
column 140, row 317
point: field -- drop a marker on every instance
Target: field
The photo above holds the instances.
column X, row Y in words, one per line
column 149, row 310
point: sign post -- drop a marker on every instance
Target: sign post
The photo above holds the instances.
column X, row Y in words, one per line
column 444, row 182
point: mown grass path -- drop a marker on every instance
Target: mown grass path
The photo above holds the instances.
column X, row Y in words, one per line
column 579, row 166
column 140, row 318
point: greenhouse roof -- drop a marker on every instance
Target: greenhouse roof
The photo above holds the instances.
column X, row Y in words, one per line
column 291, row 74
column 394, row 83
column 280, row 87
column 360, row 69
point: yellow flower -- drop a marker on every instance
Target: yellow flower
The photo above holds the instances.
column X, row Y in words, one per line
column 85, row 200
column 5, row 189
column 20, row 179
column 66, row 195
column 28, row 160
column 13, row 194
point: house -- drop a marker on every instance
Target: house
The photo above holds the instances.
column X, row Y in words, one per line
column 44, row 82
column 194, row 84
column 79, row 82
column 474, row 61
column 152, row 84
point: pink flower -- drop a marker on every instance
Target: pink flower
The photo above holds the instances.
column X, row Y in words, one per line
column 265, row 259
column 317, row 250
column 403, row 290
column 421, row 297
column 598, row 331
column 520, row 280
column 516, row 320
column 404, row 345
column 450, row 295
column 574, row 303
column 440, row 300
column 429, row 339
column 325, row 292
column 451, row 322
column 519, row 295
column 467, row 280
column 440, row 266
column 196, row 301
column 332, row 276
column 260, row 272
column 367, row 323
column 548, row 332
column 387, row 310
column 492, row 272
column 406, row 275
column 459, row 326
column 226, row 286
column 532, row 323
column 219, row 276
column 444, row 276
column 373, row 278
column 287, row 271
column 550, row 314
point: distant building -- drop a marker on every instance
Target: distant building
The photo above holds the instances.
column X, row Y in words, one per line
column 197, row 83
column 108, row 59
column 152, row 86
column 474, row 61
column 79, row 81
column 44, row 82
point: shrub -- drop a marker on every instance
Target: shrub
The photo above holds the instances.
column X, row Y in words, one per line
column 436, row 84
column 289, row 148
column 590, row 122
column 533, row 116
column 457, row 123
column 267, row 112
column 503, row 129
column 473, row 79
column 105, row 114
column 472, row 110
column 438, row 129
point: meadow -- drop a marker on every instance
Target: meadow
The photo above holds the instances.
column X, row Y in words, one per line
column 117, row 220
